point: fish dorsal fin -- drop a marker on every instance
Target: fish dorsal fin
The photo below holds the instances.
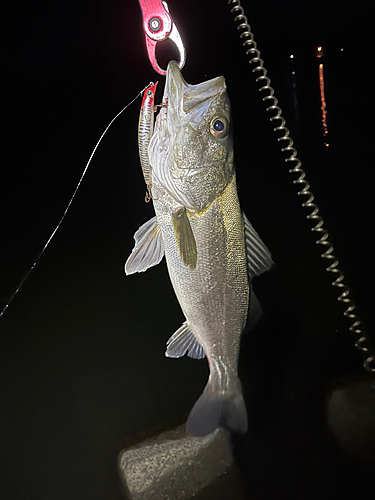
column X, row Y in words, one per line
column 183, row 341
column 148, row 249
column 258, row 256
column 185, row 240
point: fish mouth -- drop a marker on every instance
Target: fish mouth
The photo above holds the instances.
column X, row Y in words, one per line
column 186, row 99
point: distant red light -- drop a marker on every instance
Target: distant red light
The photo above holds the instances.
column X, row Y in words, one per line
column 319, row 51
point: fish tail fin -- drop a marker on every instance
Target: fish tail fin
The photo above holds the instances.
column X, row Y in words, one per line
column 214, row 410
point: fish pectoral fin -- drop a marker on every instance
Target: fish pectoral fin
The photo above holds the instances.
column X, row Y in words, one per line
column 184, row 341
column 187, row 247
column 258, row 256
column 148, row 249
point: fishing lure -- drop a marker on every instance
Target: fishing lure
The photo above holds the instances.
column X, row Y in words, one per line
column 145, row 131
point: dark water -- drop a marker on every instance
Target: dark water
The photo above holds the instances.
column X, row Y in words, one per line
column 82, row 346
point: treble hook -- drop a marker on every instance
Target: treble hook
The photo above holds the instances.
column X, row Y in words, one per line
column 148, row 195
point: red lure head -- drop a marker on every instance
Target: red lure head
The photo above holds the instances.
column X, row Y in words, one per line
column 151, row 88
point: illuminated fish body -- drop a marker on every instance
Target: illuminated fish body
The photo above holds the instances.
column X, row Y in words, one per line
column 145, row 131
column 212, row 250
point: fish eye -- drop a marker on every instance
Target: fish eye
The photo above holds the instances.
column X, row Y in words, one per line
column 218, row 127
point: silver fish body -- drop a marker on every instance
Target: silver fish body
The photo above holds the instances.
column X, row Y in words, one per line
column 211, row 249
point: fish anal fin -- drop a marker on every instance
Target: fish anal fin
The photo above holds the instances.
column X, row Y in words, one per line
column 182, row 342
column 148, row 249
column 185, row 240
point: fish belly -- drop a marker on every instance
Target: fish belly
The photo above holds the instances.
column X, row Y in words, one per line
column 214, row 296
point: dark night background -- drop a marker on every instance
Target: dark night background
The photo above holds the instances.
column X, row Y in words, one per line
column 82, row 346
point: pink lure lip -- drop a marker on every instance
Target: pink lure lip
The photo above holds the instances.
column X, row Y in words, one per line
column 153, row 90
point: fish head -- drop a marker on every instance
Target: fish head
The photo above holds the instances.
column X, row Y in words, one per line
column 191, row 150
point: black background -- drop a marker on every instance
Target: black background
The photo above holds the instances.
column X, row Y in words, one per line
column 82, row 346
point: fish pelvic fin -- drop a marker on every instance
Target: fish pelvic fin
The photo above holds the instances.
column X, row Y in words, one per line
column 213, row 410
column 182, row 342
column 148, row 249
column 186, row 245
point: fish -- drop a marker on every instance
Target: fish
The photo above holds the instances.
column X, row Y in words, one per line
column 212, row 250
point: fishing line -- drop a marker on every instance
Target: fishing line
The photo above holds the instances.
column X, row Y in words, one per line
column 251, row 50
column 69, row 204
